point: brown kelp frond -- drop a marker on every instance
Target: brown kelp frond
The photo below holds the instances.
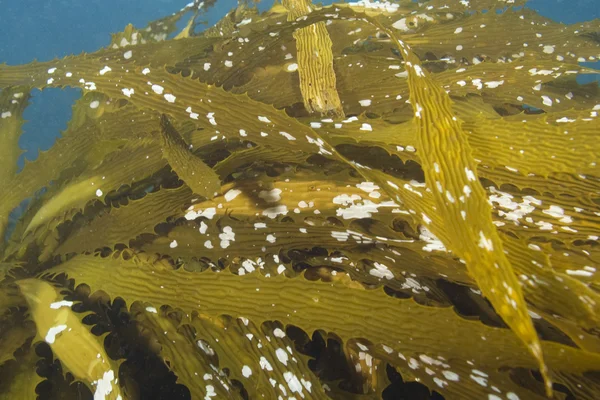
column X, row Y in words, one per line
column 304, row 303
column 313, row 202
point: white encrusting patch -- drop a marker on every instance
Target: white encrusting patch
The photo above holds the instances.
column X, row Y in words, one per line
column 547, row 101
column 63, row 303
column 94, row 104
column 208, row 213
column 579, row 272
column 104, row 385
column 381, row 271
column 210, row 392
column 270, row 196
column 451, row 376
column 287, row 136
column 366, row 127
column 228, row 63
column 365, row 103
column 433, row 243
column 484, row 242
column 6, row 114
column 173, row 244
column 282, row 356
column 52, row 332
column 146, row 71
column 493, row 84
column 127, row 55
column 273, row 212
column 158, row 89
column 246, row 371
column 265, row 364
column 105, row 70
column 170, row 98
column 99, row 193
column 292, row 67
column 128, row 92
column 206, row 66
column 226, row 237
column 152, row 310
column 293, row 382
column 203, row 227
column 264, row 119
column 232, row 194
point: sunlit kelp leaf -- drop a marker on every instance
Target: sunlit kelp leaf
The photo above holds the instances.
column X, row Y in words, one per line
column 447, row 161
column 531, row 265
column 80, row 351
column 315, row 305
column 315, row 63
column 183, row 357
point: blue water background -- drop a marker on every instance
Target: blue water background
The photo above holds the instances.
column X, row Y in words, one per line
column 43, row 30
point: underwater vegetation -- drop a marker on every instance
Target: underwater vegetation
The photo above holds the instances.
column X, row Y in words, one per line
column 355, row 201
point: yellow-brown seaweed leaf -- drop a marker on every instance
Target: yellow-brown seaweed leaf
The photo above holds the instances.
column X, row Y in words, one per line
column 315, row 63
column 122, row 224
column 190, row 169
column 80, row 352
column 450, row 172
column 386, row 322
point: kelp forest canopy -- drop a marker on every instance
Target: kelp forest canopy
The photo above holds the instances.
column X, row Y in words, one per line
column 357, row 201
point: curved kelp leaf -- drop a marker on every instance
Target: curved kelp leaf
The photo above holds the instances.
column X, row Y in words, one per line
column 193, row 171
column 81, row 352
column 450, row 170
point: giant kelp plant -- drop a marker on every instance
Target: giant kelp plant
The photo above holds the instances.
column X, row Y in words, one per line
column 362, row 200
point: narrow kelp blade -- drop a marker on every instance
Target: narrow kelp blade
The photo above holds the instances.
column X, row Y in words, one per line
column 202, row 179
column 450, row 171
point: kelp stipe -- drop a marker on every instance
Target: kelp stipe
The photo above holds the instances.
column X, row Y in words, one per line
column 309, row 203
